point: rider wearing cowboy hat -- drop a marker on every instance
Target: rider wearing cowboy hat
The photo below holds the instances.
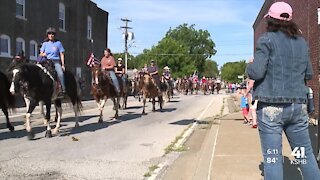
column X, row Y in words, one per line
column 119, row 68
column 166, row 73
column 153, row 70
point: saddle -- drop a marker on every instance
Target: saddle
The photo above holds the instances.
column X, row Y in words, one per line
column 49, row 66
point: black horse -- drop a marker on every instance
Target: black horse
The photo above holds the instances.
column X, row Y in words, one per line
column 35, row 83
column 6, row 98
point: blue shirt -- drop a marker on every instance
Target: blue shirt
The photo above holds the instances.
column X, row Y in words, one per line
column 244, row 102
column 52, row 49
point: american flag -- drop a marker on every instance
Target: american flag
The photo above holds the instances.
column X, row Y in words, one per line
column 92, row 61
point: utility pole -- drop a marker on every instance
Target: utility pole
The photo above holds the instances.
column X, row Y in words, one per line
column 126, row 41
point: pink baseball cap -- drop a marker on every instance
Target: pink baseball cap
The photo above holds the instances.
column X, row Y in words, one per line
column 279, row 8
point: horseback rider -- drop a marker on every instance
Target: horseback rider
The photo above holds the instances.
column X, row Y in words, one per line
column 166, row 73
column 53, row 51
column 119, row 69
column 153, row 71
column 108, row 64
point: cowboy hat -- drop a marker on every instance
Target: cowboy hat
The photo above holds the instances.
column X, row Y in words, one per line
column 166, row 68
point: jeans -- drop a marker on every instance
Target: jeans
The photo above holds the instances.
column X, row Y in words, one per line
column 273, row 119
column 60, row 74
column 115, row 80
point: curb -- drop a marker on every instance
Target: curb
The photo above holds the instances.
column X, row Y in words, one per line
column 156, row 174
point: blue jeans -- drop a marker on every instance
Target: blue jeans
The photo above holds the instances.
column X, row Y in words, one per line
column 273, row 119
column 60, row 74
column 115, row 80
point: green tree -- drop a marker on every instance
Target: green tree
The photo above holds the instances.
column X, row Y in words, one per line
column 184, row 49
column 211, row 69
column 231, row 70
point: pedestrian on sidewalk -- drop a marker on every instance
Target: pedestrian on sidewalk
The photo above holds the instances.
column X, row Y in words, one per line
column 244, row 105
column 280, row 67
column 252, row 103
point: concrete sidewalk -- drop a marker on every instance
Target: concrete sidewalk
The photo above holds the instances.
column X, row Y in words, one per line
column 226, row 150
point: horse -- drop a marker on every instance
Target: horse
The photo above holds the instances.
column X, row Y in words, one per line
column 204, row 88
column 211, row 86
column 168, row 88
column 36, row 83
column 149, row 90
column 102, row 88
column 125, row 93
column 7, row 100
column 195, row 87
column 187, row 86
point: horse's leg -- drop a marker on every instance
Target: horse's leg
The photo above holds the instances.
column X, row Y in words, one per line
column 31, row 104
column 41, row 109
column 154, row 104
column 144, row 100
column 58, row 107
column 27, row 101
column 76, row 113
column 101, row 104
column 48, row 109
column 160, row 101
column 5, row 112
column 116, row 101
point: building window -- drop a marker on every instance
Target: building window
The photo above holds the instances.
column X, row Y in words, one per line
column 5, row 46
column 62, row 17
column 20, row 8
column 20, row 45
column 89, row 28
column 33, row 50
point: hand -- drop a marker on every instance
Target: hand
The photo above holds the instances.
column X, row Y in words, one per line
column 251, row 60
column 63, row 68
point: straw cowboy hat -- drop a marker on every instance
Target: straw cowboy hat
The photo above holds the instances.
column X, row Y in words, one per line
column 166, row 68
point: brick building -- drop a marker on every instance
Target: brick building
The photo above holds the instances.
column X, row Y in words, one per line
column 24, row 23
column 306, row 13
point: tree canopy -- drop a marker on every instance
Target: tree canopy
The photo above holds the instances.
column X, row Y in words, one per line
column 185, row 50
column 231, row 70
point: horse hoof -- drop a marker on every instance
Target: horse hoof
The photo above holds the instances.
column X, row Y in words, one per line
column 55, row 131
column 76, row 125
column 11, row 128
column 30, row 135
column 48, row 134
column 100, row 120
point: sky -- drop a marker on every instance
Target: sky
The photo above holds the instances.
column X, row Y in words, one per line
column 229, row 23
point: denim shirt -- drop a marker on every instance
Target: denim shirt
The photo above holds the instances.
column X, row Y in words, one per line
column 280, row 67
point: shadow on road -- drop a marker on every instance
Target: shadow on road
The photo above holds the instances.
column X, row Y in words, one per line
column 92, row 127
column 183, row 122
column 167, row 109
column 133, row 107
column 22, row 133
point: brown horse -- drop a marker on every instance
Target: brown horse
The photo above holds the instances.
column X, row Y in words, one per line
column 204, row 88
column 103, row 88
column 149, row 90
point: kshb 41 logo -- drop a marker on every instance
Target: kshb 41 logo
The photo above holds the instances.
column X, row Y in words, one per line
column 299, row 152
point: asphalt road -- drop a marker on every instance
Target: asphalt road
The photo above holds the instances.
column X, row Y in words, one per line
column 115, row 149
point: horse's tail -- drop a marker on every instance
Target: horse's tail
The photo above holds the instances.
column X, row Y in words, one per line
column 72, row 90
column 9, row 98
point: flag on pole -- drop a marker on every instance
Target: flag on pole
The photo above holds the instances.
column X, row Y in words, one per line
column 92, row 61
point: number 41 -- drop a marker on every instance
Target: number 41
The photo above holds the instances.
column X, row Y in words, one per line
column 299, row 152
